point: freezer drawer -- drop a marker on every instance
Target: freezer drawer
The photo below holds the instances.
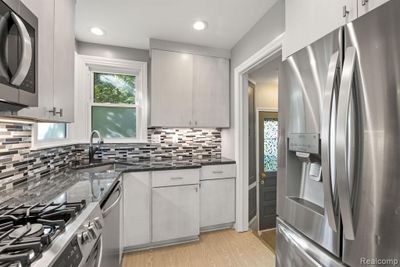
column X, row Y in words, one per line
column 295, row 250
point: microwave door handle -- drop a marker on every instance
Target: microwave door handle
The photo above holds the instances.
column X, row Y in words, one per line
column 326, row 140
column 3, row 37
column 342, row 155
column 25, row 62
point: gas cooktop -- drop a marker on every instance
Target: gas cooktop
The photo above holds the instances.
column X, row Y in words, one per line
column 27, row 230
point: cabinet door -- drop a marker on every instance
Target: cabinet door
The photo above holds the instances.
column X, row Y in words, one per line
column 64, row 59
column 217, row 202
column 171, row 89
column 175, row 212
column 211, row 92
column 137, row 199
column 365, row 6
column 309, row 20
column 44, row 10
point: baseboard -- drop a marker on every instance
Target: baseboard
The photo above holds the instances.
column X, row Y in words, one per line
column 216, row 227
column 160, row 244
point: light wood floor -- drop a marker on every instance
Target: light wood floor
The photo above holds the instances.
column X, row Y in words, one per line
column 221, row 248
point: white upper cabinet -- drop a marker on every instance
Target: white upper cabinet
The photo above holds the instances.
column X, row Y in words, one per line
column 56, row 50
column 211, row 92
column 364, row 6
column 64, row 59
column 309, row 20
column 189, row 90
column 171, row 89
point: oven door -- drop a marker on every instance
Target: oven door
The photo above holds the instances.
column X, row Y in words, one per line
column 18, row 55
column 95, row 256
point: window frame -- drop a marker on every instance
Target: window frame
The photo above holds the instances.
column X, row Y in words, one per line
column 114, row 105
column 124, row 67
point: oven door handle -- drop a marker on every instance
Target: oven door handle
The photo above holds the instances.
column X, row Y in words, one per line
column 108, row 210
column 100, row 255
column 25, row 62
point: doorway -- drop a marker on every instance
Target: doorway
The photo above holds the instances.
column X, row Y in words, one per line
column 263, row 148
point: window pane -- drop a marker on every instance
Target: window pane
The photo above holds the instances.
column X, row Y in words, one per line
column 114, row 122
column 51, row 131
column 114, row 88
column 270, row 145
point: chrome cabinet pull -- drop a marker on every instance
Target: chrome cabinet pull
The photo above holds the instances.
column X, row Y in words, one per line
column 218, row 172
column 345, row 11
column 25, row 62
column 341, row 142
column 176, row 178
column 60, row 112
column 326, row 130
column 364, row 2
column 53, row 111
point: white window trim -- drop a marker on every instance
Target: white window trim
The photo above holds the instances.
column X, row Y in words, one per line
column 107, row 65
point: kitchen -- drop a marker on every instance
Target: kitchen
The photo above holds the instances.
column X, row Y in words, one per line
column 128, row 137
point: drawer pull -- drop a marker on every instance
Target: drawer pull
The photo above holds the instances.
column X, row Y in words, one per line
column 218, row 172
column 176, row 178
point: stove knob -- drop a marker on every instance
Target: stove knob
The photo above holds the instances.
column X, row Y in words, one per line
column 97, row 223
column 85, row 237
column 92, row 232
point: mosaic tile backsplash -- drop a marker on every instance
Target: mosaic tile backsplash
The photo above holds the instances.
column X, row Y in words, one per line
column 18, row 163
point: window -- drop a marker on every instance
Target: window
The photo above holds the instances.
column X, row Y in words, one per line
column 114, row 108
column 51, row 131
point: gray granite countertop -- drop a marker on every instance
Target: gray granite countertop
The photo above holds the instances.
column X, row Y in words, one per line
column 79, row 183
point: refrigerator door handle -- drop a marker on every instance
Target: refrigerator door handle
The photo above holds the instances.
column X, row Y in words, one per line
column 343, row 174
column 326, row 130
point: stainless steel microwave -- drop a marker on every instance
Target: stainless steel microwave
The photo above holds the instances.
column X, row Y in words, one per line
column 18, row 56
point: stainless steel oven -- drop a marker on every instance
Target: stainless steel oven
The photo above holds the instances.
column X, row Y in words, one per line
column 18, row 56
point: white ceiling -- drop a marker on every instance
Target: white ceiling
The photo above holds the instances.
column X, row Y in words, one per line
column 130, row 23
column 266, row 73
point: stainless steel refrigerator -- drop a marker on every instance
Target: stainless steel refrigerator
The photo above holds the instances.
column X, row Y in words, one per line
column 339, row 147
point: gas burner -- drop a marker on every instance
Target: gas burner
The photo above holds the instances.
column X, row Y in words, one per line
column 27, row 230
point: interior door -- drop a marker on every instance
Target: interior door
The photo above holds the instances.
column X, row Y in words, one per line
column 252, row 154
column 268, row 166
column 370, row 208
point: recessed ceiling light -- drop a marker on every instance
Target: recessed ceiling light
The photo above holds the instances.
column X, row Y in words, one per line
column 200, row 25
column 97, row 31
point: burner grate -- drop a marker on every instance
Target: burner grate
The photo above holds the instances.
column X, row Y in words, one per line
column 27, row 230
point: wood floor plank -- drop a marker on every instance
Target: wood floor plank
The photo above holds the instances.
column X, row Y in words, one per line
column 215, row 249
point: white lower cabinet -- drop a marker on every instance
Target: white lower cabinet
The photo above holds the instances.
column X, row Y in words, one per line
column 175, row 212
column 166, row 207
column 137, row 199
column 217, row 202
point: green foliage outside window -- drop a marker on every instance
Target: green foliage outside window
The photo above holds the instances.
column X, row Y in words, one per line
column 114, row 88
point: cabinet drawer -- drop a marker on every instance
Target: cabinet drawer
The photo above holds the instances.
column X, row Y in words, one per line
column 176, row 177
column 218, row 171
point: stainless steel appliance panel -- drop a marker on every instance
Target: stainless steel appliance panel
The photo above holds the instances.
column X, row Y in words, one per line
column 371, row 206
column 302, row 82
column 294, row 250
column 111, row 232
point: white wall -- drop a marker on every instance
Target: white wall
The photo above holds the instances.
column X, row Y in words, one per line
column 266, row 95
column 270, row 26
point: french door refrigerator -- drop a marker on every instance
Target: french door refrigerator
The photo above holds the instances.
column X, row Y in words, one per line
column 339, row 147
